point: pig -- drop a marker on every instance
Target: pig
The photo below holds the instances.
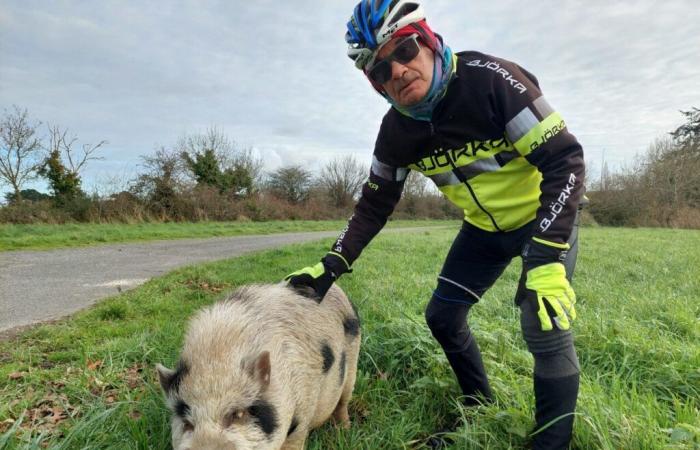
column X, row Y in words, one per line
column 262, row 368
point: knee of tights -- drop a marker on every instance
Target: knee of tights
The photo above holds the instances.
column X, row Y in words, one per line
column 557, row 365
column 448, row 323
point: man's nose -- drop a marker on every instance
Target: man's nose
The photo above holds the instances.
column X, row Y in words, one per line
column 397, row 70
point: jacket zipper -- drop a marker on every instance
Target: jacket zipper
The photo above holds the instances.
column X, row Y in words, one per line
column 464, row 180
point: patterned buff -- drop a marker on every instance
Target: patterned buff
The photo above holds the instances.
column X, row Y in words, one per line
column 443, row 70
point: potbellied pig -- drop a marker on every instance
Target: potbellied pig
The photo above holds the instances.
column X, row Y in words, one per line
column 262, row 368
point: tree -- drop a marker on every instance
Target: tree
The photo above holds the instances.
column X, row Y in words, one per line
column 204, row 166
column 291, row 183
column 688, row 134
column 31, row 195
column 20, row 150
column 216, row 161
column 62, row 167
column 342, row 178
column 162, row 180
column 64, row 184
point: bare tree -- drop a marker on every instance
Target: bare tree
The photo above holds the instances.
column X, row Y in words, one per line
column 161, row 180
column 416, row 185
column 21, row 151
column 342, row 178
column 60, row 144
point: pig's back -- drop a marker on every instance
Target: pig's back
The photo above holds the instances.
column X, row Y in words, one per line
column 272, row 314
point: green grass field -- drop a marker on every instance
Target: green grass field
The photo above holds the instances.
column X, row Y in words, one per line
column 89, row 383
column 43, row 236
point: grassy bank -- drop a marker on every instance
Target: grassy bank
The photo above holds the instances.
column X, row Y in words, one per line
column 43, row 237
column 89, row 382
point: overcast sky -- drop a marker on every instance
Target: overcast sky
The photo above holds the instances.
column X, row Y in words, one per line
column 273, row 75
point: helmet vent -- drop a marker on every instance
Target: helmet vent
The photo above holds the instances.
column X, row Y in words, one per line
column 404, row 11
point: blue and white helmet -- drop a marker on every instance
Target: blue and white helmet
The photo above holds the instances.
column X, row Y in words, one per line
column 374, row 22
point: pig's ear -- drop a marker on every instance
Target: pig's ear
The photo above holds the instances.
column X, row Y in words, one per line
column 166, row 377
column 260, row 369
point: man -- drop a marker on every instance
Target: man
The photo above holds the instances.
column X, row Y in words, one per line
column 479, row 127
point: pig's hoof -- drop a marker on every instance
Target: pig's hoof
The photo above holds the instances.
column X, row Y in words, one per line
column 341, row 420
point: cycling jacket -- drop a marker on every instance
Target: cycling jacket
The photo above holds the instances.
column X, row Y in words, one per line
column 494, row 147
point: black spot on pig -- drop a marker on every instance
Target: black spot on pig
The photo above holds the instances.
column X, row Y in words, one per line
column 293, row 426
column 265, row 415
column 328, row 357
column 182, row 409
column 343, row 357
column 351, row 326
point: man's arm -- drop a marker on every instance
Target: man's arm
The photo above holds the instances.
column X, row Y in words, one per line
column 380, row 194
column 539, row 133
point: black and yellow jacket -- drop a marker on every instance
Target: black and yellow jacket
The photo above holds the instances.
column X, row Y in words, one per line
column 494, row 147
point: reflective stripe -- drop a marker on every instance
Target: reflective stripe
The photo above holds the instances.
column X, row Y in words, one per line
column 479, row 167
column 543, row 107
column 469, row 171
column 388, row 172
column 521, row 124
column 541, row 133
column 466, row 289
column 445, row 179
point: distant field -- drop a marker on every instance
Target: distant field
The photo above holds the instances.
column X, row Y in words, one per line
column 42, row 237
column 89, row 382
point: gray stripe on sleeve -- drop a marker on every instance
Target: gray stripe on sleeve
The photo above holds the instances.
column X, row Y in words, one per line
column 521, row 124
column 401, row 173
column 388, row 172
column 543, row 107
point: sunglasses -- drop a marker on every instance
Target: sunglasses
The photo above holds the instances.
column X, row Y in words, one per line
column 404, row 52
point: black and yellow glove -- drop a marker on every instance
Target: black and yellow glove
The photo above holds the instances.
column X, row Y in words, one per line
column 547, row 288
column 321, row 276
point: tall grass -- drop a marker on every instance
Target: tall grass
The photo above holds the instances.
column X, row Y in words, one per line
column 637, row 337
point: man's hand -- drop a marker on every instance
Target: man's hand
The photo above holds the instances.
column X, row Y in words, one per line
column 546, row 287
column 318, row 277
column 551, row 295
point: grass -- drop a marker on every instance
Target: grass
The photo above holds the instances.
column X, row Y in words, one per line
column 44, row 236
column 88, row 382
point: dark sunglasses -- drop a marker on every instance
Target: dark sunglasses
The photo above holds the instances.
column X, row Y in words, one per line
column 404, row 52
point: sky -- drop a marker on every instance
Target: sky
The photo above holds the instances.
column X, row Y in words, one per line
column 274, row 75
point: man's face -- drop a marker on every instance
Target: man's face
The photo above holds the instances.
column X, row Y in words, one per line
column 410, row 81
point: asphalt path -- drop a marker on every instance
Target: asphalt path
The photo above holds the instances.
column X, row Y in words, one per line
column 38, row 286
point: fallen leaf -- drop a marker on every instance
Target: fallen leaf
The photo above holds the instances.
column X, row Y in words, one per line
column 16, row 375
column 94, row 365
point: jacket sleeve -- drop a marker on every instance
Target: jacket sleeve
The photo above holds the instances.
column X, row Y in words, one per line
column 380, row 194
column 538, row 132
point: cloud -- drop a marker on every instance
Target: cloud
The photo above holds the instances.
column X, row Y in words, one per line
column 274, row 75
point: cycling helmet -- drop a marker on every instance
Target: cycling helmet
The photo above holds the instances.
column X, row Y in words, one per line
column 374, row 23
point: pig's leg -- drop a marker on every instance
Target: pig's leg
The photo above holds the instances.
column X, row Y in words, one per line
column 340, row 415
column 296, row 441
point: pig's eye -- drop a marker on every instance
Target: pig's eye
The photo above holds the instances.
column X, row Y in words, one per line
column 187, row 426
column 236, row 416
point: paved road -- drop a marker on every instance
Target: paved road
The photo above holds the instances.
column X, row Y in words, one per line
column 37, row 286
